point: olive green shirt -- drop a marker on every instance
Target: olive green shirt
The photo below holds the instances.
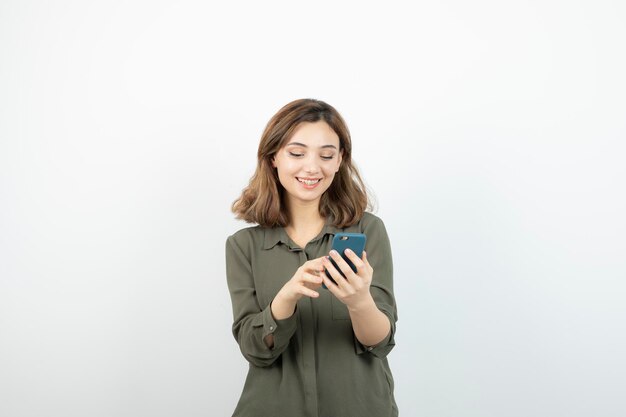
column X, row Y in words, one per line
column 317, row 367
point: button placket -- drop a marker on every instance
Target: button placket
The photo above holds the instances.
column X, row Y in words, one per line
column 308, row 353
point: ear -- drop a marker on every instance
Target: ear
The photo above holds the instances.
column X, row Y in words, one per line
column 273, row 161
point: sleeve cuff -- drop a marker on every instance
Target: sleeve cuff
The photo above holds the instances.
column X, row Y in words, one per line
column 282, row 330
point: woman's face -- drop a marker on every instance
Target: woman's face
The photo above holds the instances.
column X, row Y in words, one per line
column 307, row 163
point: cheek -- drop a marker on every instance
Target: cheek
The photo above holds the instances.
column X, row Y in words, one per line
column 286, row 172
column 282, row 166
column 331, row 170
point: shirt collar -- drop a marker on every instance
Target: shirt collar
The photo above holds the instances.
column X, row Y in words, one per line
column 275, row 235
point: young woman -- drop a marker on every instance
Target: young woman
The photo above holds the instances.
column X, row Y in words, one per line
column 313, row 351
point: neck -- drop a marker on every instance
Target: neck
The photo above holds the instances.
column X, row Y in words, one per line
column 304, row 215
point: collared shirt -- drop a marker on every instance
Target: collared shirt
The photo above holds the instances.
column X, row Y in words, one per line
column 317, row 367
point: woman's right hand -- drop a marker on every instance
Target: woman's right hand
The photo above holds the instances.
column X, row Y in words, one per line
column 303, row 283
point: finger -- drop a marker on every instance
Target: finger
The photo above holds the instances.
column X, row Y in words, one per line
column 314, row 265
column 334, row 273
column 312, row 278
column 358, row 262
column 313, row 286
column 308, row 292
column 342, row 264
column 332, row 287
column 366, row 262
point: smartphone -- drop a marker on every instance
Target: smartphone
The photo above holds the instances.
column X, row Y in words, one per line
column 343, row 241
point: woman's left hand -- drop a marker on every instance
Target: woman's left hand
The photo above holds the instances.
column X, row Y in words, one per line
column 354, row 289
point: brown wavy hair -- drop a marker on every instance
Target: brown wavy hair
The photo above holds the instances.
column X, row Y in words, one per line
column 262, row 201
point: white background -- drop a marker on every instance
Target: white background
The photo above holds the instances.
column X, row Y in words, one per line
column 493, row 134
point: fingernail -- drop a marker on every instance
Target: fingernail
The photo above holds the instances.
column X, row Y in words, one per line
column 334, row 252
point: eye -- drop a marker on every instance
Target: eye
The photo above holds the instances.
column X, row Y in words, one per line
column 328, row 158
column 296, row 155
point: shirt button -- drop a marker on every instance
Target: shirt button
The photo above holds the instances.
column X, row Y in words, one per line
column 272, row 328
column 370, row 348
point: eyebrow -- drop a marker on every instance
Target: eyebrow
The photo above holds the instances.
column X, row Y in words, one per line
column 304, row 146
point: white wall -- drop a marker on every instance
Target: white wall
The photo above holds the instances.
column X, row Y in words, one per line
column 493, row 134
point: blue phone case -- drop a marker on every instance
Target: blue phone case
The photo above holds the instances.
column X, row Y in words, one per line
column 343, row 241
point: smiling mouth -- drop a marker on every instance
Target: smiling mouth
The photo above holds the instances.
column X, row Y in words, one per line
column 308, row 182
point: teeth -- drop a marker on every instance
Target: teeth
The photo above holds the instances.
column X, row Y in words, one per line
column 309, row 182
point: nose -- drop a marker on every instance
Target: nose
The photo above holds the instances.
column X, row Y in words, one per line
column 311, row 166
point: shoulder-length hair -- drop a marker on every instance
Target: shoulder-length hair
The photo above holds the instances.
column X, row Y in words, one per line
column 263, row 200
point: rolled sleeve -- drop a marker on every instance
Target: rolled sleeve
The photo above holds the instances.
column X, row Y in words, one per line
column 378, row 250
column 252, row 323
column 383, row 348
